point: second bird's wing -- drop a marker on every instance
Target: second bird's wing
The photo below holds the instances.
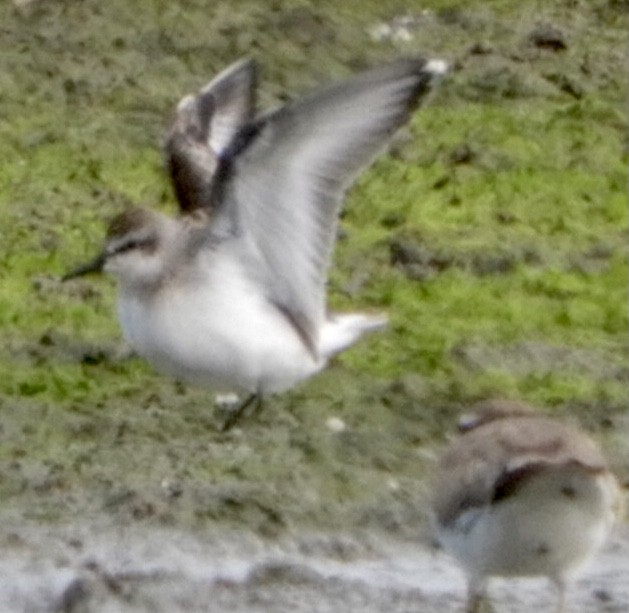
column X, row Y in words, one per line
column 203, row 129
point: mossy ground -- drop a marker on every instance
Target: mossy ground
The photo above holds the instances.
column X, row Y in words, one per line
column 494, row 234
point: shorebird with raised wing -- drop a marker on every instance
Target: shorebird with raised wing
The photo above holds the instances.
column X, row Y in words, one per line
column 231, row 295
column 522, row 494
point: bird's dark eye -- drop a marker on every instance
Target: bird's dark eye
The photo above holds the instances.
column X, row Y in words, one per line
column 147, row 244
column 128, row 246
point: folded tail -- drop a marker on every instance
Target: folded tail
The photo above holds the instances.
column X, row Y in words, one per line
column 341, row 331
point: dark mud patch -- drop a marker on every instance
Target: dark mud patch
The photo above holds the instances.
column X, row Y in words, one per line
column 420, row 262
column 539, row 358
column 52, row 346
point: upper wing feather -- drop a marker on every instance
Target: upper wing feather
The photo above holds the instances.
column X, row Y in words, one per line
column 286, row 173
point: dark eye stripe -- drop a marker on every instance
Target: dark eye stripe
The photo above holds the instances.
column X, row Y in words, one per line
column 147, row 244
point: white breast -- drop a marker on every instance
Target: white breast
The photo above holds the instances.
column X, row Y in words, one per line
column 220, row 333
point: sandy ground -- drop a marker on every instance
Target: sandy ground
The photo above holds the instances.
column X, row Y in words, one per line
column 100, row 567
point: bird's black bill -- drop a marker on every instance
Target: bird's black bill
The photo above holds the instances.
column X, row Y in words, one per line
column 96, row 265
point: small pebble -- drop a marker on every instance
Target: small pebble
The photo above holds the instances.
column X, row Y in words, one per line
column 335, row 424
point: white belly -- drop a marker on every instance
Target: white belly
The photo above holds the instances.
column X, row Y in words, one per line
column 535, row 532
column 220, row 334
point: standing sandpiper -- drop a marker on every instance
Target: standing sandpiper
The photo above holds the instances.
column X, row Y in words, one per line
column 521, row 494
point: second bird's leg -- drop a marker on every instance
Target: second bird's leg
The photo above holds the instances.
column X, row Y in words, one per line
column 560, row 583
column 477, row 600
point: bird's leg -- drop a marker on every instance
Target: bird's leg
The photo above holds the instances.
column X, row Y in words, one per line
column 476, row 595
column 238, row 412
column 560, row 584
column 257, row 407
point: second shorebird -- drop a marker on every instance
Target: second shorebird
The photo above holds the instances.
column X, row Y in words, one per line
column 232, row 294
column 522, row 494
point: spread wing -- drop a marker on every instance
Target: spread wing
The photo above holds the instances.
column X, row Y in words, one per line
column 286, row 173
column 203, row 128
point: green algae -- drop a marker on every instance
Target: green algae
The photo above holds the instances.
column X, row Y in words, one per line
column 494, row 234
